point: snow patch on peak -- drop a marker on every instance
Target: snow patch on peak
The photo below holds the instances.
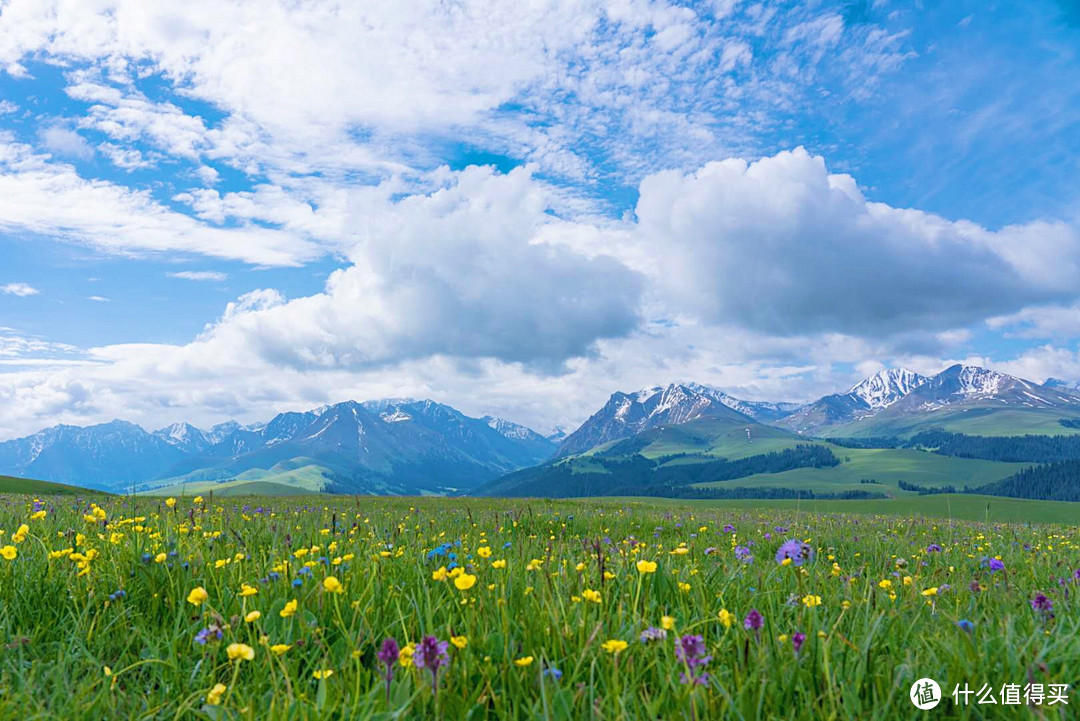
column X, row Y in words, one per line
column 886, row 387
column 395, row 415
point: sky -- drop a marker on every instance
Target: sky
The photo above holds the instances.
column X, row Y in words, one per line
column 214, row 210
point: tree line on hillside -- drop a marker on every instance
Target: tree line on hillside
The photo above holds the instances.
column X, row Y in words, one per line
column 1014, row 449
column 1051, row 482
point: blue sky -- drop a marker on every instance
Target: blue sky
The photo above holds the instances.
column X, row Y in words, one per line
column 211, row 212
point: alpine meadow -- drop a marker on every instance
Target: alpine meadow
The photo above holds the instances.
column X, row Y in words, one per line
column 477, row 359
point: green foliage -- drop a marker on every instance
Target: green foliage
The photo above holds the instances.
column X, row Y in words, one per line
column 64, row 621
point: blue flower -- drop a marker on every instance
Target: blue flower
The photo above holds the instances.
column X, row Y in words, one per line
column 965, row 625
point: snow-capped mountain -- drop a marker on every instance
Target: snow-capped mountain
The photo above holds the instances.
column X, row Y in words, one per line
column 763, row 411
column 397, row 445
column 627, row 414
column 886, row 387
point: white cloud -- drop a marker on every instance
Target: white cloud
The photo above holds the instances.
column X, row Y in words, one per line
column 20, row 289
column 7, row 107
column 200, row 275
column 97, row 298
column 66, row 143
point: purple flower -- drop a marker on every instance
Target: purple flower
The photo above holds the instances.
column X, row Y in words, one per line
column 653, row 634
column 933, row 548
column 691, row 651
column 388, row 655
column 798, row 552
column 993, row 564
column 210, row 633
column 743, row 554
column 754, row 620
column 431, row 654
column 797, row 640
column 1041, row 603
column 1076, row 575
column 729, row 528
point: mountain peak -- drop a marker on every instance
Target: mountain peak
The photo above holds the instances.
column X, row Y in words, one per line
column 886, row 387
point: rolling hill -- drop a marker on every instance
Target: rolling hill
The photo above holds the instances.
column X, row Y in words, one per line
column 11, row 484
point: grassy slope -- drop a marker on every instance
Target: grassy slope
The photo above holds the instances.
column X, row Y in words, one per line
column 11, row 484
column 977, row 421
column 964, row 507
column 305, row 479
column 887, row 467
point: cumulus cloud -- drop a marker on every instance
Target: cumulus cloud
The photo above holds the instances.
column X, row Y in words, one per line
column 22, row 290
column 66, row 143
column 783, row 246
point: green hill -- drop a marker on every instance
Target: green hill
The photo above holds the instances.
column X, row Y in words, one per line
column 11, row 484
column 309, row 478
column 983, row 420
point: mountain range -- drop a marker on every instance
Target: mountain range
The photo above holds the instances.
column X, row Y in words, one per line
column 411, row 446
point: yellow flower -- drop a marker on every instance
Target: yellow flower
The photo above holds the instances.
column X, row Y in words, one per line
column 253, row 616
column 246, row 590
column 646, row 566
column 198, row 596
column 9, row 552
column 930, row 591
column 782, row 638
column 885, row 583
column 213, row 698
column 523, row 661
column 37, row 515
column 464, row 582
column 786, row 562
column 811, row 601
column 198, row 499
column 459, row 641
column 845, row 605
column 580, row 567
column 684, row 587
column 590, row 595
column 331, row 584
column 20, row 535
column 170, row 502
column 534, row 565
column 240, row 652
column 290, row 609
column 439, row 575
column 484, row 552
column 280, row 648
column 614, row 645
column 405, row 655
column 500, row 563
column 325, row 673
column 667, row 622
column 160, row 558
column 907, row 580
column 727, row 618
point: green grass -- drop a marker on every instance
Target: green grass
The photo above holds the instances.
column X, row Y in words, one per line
column 75, row 648
column 951, row 505
column 977, row 421
column 11, row 484
column 888, row 466
column 276, row 482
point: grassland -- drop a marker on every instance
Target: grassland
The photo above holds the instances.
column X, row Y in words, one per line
column 11, row 484
column 975, row 421
column 267, row 608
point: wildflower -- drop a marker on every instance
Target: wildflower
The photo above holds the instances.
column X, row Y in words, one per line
column 811, row 601
column 754, row 620
column 388, row 653
column 240, row 652
column 170, row 502
column 332, row 585
column 20, row 535
column 684, row 587
column 885, row 583
column 727, row 618
column 246, row 590
column 965, row 625
column 405, row 655
column 523, row 661
column 498, row 563
column 653, row 634
column 1041, row 603
column 794, row 553
column 590, row 595
column 198, row 499
column 289, row 609
column 614, row 646
column 210, row 633
column 994, row 564
column 279, row 649
column 484, row 552
column 933, row 548
column 431, row 654
column 198, row 596
column 213, row 698
column 552, row 672
column 439, row 575
column 464, row 582
column 729, row 528
column 9, row 553
column 930, row 592
column 160, row 558
column 667, row 622
column 37, row 515
column 797, row 640
column 690, row 650
column 253, row 616
column 459, row 642
column 743, row 555
column 324, row 673
column 646, row 566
